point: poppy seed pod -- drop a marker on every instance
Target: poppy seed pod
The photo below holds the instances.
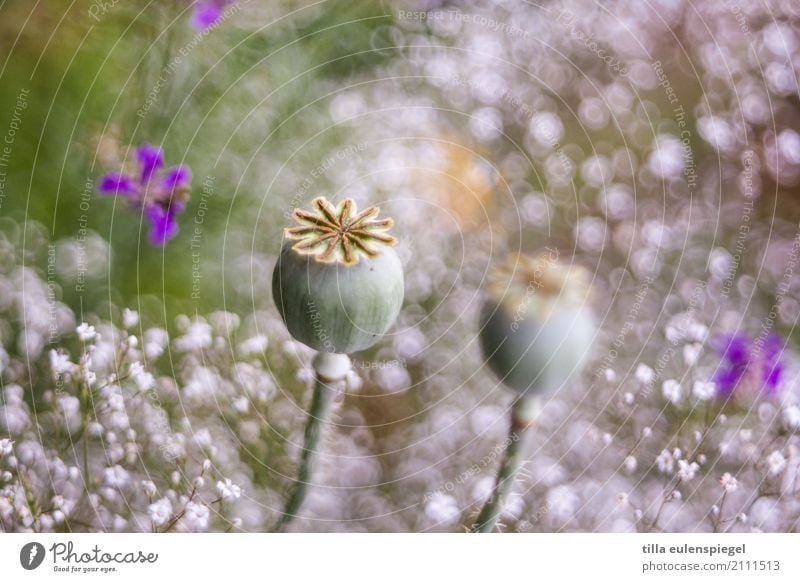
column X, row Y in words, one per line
column 536, row 328
column 338, row 284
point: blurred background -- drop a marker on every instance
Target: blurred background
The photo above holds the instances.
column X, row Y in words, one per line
column 654, row 143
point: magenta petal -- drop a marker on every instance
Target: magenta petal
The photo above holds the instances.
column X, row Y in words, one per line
column 117, row 184
column 206, row 13
column 175, row 177
column 151, row 160
column 163, row 225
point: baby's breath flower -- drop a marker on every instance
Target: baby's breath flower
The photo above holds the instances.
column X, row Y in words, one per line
column 197, row 337
column 155, row 341
column 160, row 511
column 228, row 490
column 196, row 516
column 704, row 390
column 60, row 363
column 791, row 416
column 6, row 447
column 644, row 374
column 129, row 318
column 116, row 476
column 144, row 380
column 776, row 463
column 149, row 488
column 691, row 353
column 86, row 332
column 665, row 462
column 728, row 482
column 253, row 346
column 686, row 470
column 672, row 391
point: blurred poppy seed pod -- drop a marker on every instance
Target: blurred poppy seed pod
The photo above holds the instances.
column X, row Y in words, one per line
column 338, row 283
column 536, row 328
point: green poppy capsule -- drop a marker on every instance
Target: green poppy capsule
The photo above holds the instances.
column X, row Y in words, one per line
column 535, row 327
column 338, row 283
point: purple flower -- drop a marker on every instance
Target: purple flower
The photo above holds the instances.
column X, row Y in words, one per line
column 161, row 195
column 744, row 361
column 209, row 12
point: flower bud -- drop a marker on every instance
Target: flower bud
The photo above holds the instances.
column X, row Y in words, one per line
column 535, row 327
column 338, row 284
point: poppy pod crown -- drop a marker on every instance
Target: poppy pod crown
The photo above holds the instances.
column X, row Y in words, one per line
column 338, row 283
column 535, row 325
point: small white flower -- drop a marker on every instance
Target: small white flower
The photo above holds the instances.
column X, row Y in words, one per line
column 691, row 353
column 115, row 476
column 791, row 416
column 622, row 499
column 686, row 470
column 241, row 404
column 228, row 490
column 60, row 363
column 196, row 516
column 160, row 511
column 704, row 390
column 254, row 346
column 701, row 458
column 129, row 318
column 745, row 435
column 197, row 337
column 631, row 463
column 698, row 332
column 154, row 341
column 144, row 379
column 442, row 509
column 672, row 391
column 676, row 496
column 644, row 374
column 149, row 488
column 206, row 465
column 776, row 462
column 610, row 375
column 607, row 438
column 6, row 447
column 86, row 332
column 665, row 462
column 647, row 432
column 728, row 482
column 629, row 399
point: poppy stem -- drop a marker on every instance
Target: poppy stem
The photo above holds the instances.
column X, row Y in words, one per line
column 330, row 371
column 513, row 458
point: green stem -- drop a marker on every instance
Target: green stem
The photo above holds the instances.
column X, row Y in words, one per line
column 513, row 458
column 330, row 370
